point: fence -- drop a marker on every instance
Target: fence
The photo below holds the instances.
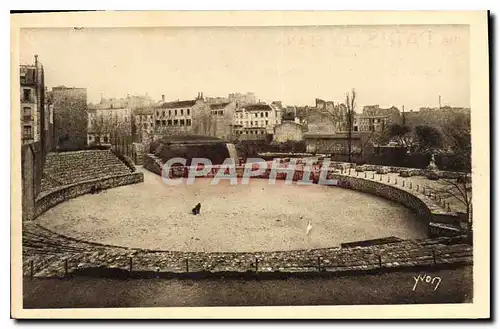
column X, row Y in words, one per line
column 286, row 263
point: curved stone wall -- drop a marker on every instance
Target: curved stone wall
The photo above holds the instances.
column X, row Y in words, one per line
column 49, row 199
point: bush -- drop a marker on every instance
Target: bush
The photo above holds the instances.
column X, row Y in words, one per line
column 382, row 170
column 433, row 175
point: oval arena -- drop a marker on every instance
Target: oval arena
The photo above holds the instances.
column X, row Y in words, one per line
column 234, row 218
column 101, row 212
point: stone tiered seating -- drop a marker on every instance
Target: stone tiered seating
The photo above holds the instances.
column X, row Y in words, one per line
column 72, row 167
column 44, row 253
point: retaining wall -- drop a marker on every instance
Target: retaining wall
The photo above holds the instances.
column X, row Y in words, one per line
column 49, row 199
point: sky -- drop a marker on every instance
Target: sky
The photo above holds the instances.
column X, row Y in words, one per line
column 386, row 65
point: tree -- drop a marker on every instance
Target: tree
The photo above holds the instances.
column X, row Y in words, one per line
column 351, row 104
column 401, row 135
column 428, row 138
column 459, row 189
column 457, row 135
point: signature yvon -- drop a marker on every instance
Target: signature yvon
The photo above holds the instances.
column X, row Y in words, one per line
column 427, row 279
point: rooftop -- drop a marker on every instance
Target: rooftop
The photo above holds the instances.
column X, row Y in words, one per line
column 178, row 104
column 219, row 106
column 258, row 107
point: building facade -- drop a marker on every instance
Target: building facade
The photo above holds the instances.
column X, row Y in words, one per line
column 177, row 118
column 34, row 104
column 105, row 125
column 70, row 117
column 256, row 121
column 288, row 131
column 243, row 99
column 143, row 125
column 221, row 120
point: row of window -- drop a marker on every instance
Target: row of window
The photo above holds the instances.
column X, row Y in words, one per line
column 174, row 122
column 175, row 112
column 217, row 112
column 105, row 138
column 141, row 118
column 251, row 132
column 255, row 115
column 261, row 123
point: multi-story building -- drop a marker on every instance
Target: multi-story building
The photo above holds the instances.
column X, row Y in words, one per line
column 177, row 117
column 221, row 120
column 144, row 121
column 243, row 99
column 131, row 101
column 256, row 120
column 370, row 123
column 70, row 117
column 106, row 125
column 33, row 102
column 375, row 119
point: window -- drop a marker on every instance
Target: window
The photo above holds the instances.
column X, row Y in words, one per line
column 267, row 122
column 163, row 114
column 169, row 122
column 188, row 112
column 182, row 111
column 355, row 128
column 157, row 113
column 106, row 137
column 256, row 115
column 157, row 122
column 169, row 113
column 267, row 114
column 26, row 95
column 181, row 122
column 175, row 112
column 262, row 114
column 221, row 112
column 188, row 121
column 145, row 126
column 163, row 123
column 176, row 122
column 27, row 113
column 90, row 138
column 27, row 132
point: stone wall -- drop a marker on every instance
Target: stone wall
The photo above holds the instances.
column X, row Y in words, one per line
column 51, row 198
column 47, row 254
column 70, row 117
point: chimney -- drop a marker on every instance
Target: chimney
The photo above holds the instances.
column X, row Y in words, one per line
column 36, row 59
column 163, row 98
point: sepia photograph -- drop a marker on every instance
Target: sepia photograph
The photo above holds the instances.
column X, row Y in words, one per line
column 204, row 161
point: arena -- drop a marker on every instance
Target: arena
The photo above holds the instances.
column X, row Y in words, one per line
column 234, row 218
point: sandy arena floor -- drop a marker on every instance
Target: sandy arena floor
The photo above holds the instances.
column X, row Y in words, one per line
column 253, row 217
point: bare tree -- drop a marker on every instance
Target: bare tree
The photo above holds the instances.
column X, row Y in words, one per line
column 351, row 105
column 459, row 189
